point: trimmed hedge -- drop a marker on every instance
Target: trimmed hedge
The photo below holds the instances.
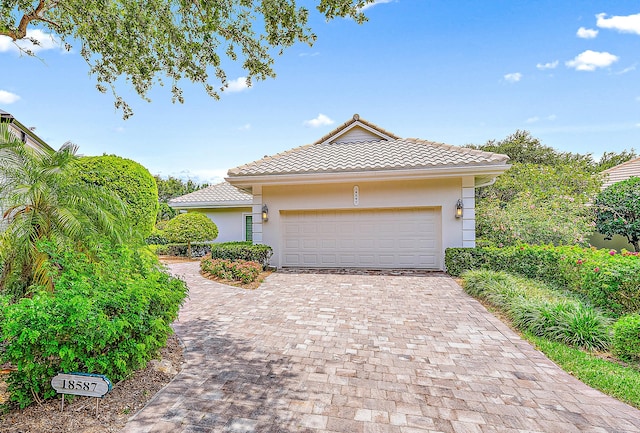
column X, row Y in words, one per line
column 108, row 315
column 607, row 279
column 626, row 338
column 242, row 251
column 182, row 250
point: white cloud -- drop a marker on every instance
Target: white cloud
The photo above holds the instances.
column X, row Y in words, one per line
column 513, row 77
column 591, row 60
column 46, row 42
column 374, row 3
column 8, row 97
column 237, row 85
column 315, row 53
column 549, row 65
column 585, row 33
column 245, row 127
column 536, row 119
column 627, row 69
column 321, row 120
column 623, row 24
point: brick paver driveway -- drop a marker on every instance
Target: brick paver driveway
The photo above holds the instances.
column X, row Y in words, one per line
column 357, row 353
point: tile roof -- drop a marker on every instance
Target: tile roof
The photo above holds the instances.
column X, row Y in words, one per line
column 219, row 194
column 359, row 156
column 621, row 172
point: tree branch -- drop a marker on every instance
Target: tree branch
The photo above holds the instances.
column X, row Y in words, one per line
column 34, row 15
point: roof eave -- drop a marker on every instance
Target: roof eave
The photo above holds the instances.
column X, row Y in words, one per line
column 211, row 205
column 371, row 175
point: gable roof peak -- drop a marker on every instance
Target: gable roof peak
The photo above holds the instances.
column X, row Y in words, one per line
column 357, row 129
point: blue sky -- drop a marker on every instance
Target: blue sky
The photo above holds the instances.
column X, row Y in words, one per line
column 457, row 72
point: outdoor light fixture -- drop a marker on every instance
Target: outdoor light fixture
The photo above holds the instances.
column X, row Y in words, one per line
column 265, row 213
column 459, row 208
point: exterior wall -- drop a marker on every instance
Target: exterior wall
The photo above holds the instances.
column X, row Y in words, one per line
column 437, row 193
column 230, row 222
column 617, row 243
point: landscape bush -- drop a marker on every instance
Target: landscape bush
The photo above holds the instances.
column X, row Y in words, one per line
column 541, row 310
column 190, row 227
column 238, row 270
column 242, row 251
column 607, row 279
column 108, row 315
column 198, row 249
column 626, row 338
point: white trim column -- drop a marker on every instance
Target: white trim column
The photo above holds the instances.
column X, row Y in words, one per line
column 469, row 212
column 256, row 210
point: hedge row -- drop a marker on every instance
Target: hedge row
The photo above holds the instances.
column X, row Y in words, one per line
column 607, row 279
column 242, row 251
column 109, row 316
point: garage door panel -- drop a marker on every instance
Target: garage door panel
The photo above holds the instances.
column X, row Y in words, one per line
column 372, row 238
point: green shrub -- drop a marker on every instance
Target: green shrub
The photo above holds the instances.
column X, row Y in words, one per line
column 536, row 308
column 626, row 338
column 131, row 181
column 608, row 280
column 242, row 251
column 108, row 315
column 156, row 237
column 191, row 227
column 239, row 270
column 182, row 250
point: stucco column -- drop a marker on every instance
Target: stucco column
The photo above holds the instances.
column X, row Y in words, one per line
column 469, row 212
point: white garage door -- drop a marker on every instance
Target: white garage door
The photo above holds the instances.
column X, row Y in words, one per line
column 372, row 238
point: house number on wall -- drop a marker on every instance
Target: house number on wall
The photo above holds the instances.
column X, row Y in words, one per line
column 356, row 195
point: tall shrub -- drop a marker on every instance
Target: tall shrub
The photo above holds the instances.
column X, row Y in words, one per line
column 130, row 181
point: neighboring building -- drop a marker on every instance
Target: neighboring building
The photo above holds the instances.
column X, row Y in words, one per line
column 613, row 175
column 23, row 133
column 361, row 197
column 225, row 205
column 621, row 172
column 27, row 136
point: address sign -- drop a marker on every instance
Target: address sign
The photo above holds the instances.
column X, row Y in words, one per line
column 89, row 385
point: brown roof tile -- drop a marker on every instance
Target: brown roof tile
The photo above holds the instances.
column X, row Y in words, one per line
column 395, row 154
column 219, row 194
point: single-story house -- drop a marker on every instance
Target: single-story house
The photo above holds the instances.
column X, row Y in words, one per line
column 362, row 197
column 226, row 205
column 613, row 175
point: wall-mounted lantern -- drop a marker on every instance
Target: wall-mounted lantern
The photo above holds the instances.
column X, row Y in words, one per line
column 459, row 208
column 265, row 213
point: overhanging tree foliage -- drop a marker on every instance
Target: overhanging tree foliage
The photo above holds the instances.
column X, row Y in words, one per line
column 147, row 42
column 618, row 211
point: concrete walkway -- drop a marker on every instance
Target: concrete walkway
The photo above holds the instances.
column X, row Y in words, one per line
column 360, row 353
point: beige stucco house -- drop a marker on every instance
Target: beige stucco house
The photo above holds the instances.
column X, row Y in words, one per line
column 363, row 197
column 226, row 205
